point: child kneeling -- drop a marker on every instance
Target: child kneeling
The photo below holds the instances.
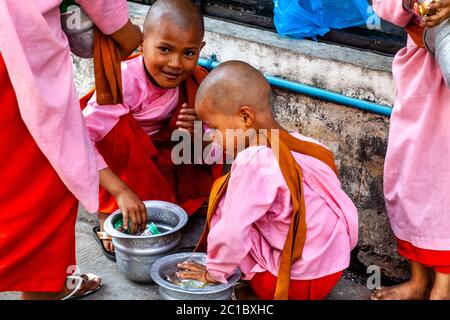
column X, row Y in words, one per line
column 133, row 139
column 280, row 215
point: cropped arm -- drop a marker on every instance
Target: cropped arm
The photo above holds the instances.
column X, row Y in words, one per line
column 392, row 11
column 108, row 15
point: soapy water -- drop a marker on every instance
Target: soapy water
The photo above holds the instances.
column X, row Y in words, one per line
column 173, row 278
column 186, row 284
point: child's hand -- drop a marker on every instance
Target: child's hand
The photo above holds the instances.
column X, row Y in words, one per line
column 129, row 203
column 442, row 14
column 133, row 210
column 186, row 118
column 194, row 271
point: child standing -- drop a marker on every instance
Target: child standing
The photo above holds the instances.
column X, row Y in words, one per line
column 47, row 163
column 280, row 216
column 133, row 138
column 417, row 166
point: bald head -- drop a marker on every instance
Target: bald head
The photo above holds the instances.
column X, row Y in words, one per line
column 231, row 85
column 182, row 13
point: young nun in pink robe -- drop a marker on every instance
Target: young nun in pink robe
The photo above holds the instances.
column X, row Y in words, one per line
column 249, row 226
column 133, row 139
column 47, row 162
column 417, row 165
column 150, row 105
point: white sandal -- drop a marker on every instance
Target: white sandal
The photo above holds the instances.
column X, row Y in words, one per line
column 80, row 281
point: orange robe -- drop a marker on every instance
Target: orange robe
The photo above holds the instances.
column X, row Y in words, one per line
column 37, row 211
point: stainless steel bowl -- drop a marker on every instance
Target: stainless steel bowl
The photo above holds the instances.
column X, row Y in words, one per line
column 437, row 40
column 79, row 29
column 136, row 254
column 168, row 291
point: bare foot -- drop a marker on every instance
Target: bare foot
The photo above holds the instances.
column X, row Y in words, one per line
column 441, row 287
column 418, row 288
column 88, row 285
column 406, row 291
column 106, row 243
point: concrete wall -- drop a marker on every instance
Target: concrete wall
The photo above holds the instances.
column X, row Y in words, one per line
column 357, row 138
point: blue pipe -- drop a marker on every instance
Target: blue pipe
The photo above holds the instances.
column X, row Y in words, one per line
column 314, row 92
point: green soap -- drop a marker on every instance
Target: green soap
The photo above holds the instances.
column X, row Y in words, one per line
column 151, row 226
column 153, row 229
column 118, row 224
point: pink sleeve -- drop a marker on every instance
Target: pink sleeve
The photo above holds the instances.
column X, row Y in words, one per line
column 108, row 15
column 392, row 11
column 229, row 239
column 100, row 120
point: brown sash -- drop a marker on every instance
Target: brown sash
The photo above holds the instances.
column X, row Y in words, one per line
column 416, row 33
column 107, row 69
column 293, row 247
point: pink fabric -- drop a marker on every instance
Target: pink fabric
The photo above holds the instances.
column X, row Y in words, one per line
column 148, row 104
column 417, row 165
column 252, row 220
column 37, row 56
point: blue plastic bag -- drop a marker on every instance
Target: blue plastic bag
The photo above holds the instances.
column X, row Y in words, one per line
column 309, row 18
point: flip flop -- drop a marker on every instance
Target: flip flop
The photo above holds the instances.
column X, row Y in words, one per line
column 109, row 255
column 242, row 291
column 80, row 280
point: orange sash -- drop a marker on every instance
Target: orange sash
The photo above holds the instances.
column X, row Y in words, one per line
column 107, row 70
column 293, row 247
column 416, row 33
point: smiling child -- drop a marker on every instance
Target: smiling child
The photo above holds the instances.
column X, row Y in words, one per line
column 133, row 139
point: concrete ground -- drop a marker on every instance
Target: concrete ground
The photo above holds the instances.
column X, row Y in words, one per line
column 117, row 287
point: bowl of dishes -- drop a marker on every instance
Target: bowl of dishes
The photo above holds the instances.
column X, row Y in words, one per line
column 163, row 273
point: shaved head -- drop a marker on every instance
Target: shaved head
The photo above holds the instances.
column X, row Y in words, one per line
column 234, row 84
column 183, row 13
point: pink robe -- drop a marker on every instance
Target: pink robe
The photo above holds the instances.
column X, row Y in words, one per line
column 417, row 165
column 37, row 56
column 149, row 105
column 252, row 219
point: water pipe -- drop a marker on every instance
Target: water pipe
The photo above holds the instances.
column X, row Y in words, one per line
column 314, row 92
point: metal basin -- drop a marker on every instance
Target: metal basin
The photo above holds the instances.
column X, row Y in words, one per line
column 79, row 29
column 136, row 254
column 169, row 291
column 437, row 40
